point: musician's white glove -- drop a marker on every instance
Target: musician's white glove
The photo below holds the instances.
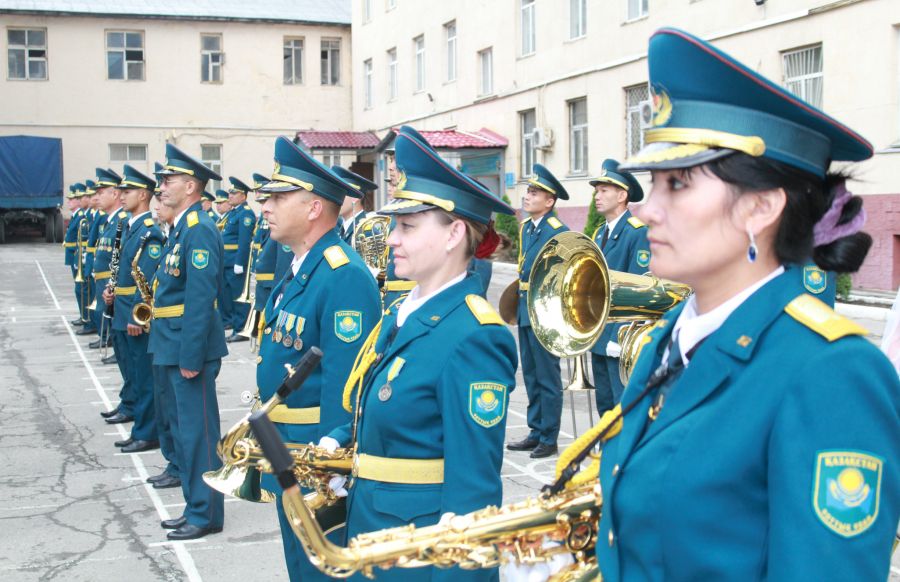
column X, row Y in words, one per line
column 613, row 350
column 238, row 269
column 329, row 444
column 445, row 519
column 513, row 571
column 336, row 484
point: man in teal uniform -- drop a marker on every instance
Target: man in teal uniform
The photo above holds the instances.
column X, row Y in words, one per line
column 107, row 194
column 623, row 242
column 207, row 199
column 188, row 342
column 95, row 219
column 540, row 368
column 140, row 235
column 353, row 210
column 327, row 299
column 70, row 244
column 266, row 256
column 237, row 235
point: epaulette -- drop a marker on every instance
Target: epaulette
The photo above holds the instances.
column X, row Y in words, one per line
column 483, row 311
column 522, row 222
column 822, row 319
column 192, row 218
column 635, row 222
column 336, row 256
column 148, row 222
column 554, row 222
column 123, row 214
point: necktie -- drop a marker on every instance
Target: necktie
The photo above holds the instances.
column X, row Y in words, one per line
column 605, row 237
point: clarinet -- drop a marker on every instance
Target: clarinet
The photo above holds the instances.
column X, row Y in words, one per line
column 114, row 269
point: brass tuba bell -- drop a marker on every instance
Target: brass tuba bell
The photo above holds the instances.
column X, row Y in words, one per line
column 572, row 295
column 370, row 241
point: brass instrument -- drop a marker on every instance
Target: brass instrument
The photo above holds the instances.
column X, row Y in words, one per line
column 573, row 294
column 631, row 338
column 142, row 312
column 79, row 244
column 250, row 328
column 370, row 241
column 246, row 295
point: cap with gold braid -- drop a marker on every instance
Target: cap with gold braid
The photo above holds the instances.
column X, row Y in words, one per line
column 178, row 162
column 611, row 174
column 107, row 178
column 238, row 185
column 544, row 179
column 135, row 179
column 297, row 170
column 221, row 196
column 427, row 182
column 707, row 105
column 207, row 195
column 260, row 180
column 157, row 168
column 355, row 179
column 90, row 187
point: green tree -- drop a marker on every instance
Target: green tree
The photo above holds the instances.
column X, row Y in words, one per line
column 508, row 226
column 844, row 285
column 594, row 220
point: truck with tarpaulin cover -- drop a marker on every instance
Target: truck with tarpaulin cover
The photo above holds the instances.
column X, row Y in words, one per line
column 31, row 186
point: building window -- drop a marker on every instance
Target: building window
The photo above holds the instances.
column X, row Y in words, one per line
column 486, row 63
column 293, row 61
column 803, row 74
column 367, row 11
column 331, row 159
column 367, row 71
column 527, row 26
column 636, row 9
column 392, row 74
column 211, row 58
column 578, row 136
column 391, row 4
column 331, row 61
column 527, row 123
column 634, row 134
column 27, row 53
column 577, row 18
column 127, row 153
column 450, row 35
column 211, row 156
column 419, row 44
column 125, row 55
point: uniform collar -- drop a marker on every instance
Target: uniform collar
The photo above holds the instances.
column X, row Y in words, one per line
column 195, row 206
column 612, row 224
column 413, row 301
column 136, row 217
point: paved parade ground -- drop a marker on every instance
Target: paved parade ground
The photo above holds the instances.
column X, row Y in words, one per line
column 74, row 508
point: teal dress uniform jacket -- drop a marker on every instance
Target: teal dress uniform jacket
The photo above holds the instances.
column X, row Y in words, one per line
column 71, row 238
column 531, row 241
column 424, row 398
column 737, row 477
column 190, row 274
column 148, row 262
column 264, row 267
column 238, row 231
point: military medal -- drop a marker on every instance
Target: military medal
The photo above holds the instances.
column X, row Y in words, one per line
column 301, row 323
column 298, row 344
column 288, row 339
column 384, row 393
column 276, row 337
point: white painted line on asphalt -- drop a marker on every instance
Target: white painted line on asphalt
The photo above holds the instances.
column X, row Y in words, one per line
column 527, row 471
column 177, row 545
column 520, row 415
column 132, row 454
column 52, row 294
column 181, row 552
column 244, row 409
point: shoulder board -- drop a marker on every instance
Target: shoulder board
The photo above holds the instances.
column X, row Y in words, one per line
column 522, row 222
column 596, row 231
column 336, row 256
column 148, row 222
column 554, row 222
column 820, row 318
column 635, row 222
column 483, row 311
column 102, row 213
column 123, row 214
column 192, row 218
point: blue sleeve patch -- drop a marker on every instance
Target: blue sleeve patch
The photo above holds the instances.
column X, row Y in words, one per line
column 643, row 258
column 154, row 251
column 200, row 258
column 348, row 325
column 487, row 403
column 814, row 279
column 847, row 490
column 247, row 221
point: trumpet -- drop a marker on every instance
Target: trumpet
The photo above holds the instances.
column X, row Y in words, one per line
column 246, row 295
column 142, row 312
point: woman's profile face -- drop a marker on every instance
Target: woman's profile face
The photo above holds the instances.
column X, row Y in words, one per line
column 420, row 245
column 693, row 232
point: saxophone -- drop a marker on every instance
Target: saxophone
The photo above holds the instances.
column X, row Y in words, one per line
column 142, row 312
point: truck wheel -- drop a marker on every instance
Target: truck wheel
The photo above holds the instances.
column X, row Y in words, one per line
column 58, row 227
column 2, row 231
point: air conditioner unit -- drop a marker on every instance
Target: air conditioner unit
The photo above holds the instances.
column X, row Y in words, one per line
column 543, row 138
column 645, row 110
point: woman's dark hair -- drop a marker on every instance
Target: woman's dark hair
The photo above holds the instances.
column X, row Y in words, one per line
column 808, row 198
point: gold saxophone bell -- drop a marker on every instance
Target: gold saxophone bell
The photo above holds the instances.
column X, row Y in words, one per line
column 370, row 241
column 572, row 295
column 142, row 314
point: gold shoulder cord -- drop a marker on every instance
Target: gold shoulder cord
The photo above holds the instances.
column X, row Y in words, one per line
column 361, row 365
column 591, row 472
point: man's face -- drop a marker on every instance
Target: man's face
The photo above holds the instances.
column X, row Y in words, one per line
column 289, row 215
column 95, row 201
column 223, row 207
column 107, row 198
column 174, row 190
column 608, row 198
column 537, row 201
column 207, row 204
column 132, row 199
column 236, row 197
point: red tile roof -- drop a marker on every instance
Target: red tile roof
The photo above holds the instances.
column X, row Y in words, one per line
column 345, row 140
column 457, row 139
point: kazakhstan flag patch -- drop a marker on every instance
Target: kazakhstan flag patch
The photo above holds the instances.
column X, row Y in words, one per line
column 348, row 325
column 154, row 251
column 487, row 403
column 847, row 490
column 814, row 279
column 200, row 258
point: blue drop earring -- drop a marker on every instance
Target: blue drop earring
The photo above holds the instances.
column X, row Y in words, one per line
column 752, row 250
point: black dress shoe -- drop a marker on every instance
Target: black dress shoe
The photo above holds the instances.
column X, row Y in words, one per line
column 174, row 523
column 110, row 413
column 119, row 418
column 168, row 482
column 542, row 451
column 87, row 331
column 158, row 478
column 236, row 338
column 191, row 532
column 110, row 359
column 525, row 444
column 124, row 443
column 140, row 446
column 76, row 322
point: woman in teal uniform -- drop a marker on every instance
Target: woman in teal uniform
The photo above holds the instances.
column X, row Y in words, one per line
column 761, row 438
column 431, row 412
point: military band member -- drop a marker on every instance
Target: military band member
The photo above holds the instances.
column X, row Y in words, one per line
column 267, row 254
column 222, row 209
column 623, row 242
column 328, row 299
column 353, row 210
column 70, row 244
column 207, row 200
column 540, row 368
column 431, row 407
column 766, row 446
column 238, row 234
column 188, row 342
column 96, row 217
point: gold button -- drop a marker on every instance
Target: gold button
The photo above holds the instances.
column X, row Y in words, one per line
column 615, row 470
column 258, row 359
column 267, row 331
column 612, row 538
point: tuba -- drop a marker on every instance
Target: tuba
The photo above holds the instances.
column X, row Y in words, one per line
column 370, row 241
column 142, row 312
column 573, row 294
